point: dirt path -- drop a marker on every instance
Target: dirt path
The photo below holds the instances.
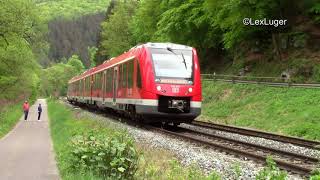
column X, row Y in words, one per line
column 27, row 152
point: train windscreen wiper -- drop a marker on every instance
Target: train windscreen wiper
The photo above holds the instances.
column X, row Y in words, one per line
column 184, row 60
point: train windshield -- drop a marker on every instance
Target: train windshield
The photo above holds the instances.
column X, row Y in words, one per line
column 173, row 63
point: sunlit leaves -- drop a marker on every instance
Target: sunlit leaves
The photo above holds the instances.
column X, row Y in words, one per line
column 51, row 9
column 116, row 34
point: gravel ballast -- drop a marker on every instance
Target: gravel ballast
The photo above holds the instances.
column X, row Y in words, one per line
column 260, row 141
column 208, row 159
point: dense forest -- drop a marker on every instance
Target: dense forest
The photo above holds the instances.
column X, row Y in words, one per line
column 68, row 37
column 216, row 29
column 26, row 46
column 44, row 42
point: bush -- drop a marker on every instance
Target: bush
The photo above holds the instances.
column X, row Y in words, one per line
column 316, row 73
column 315, row 174
column 104, row 156
column 271, row 171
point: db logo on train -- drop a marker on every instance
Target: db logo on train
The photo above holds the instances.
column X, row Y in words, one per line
column 175, row 88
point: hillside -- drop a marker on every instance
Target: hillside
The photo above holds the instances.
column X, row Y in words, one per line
column 291, row 111
column 67, row 37
column 225, row 45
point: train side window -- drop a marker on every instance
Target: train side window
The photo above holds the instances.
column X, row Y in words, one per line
column 130, row 74
column 111, row 80
column 94, row 78
column 106, row 80
column 124, row 75
column 120, row 76
column 99, row 81
column 88, row 84
column 139, row 85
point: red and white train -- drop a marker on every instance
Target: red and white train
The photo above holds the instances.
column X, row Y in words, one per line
column 157, row 82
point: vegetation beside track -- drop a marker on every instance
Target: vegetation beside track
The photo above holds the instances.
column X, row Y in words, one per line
column 290, row 111
column 66, row 124
column 9, row 116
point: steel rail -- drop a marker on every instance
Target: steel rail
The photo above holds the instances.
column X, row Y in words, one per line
column 269, row 149
column 289, row 166
column 256, row 133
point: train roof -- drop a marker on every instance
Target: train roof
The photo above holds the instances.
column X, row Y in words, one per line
column 126, row 56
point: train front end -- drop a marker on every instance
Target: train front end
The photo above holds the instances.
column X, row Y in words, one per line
column 171, row 74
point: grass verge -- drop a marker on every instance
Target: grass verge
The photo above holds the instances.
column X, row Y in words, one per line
column 290, row 111
column 9, row 116
column 152, row 164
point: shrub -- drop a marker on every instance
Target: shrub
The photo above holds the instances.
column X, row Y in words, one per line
column 316, row 73
column 271, row 171
column 105, row 156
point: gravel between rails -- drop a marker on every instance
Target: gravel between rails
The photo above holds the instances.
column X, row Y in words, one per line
column 260, row 141
column 189, row 153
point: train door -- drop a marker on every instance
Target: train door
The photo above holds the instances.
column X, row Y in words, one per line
column 115, row 84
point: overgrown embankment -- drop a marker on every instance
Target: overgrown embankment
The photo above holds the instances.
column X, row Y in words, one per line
column 88, row 148
column 291, row 111
column 9, row 117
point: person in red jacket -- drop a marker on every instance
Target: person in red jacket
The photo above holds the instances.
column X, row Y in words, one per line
column 26, row 109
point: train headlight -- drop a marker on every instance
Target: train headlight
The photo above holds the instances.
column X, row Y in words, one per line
column 190, row 90
column 159, row 88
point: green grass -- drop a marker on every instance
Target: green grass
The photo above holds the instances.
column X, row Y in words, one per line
column 62, row 127
column 153, row 163
column 290, row 111
column 9, row 116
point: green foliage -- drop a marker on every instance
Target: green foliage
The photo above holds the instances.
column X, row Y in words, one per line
column 214, row 28
column 315, row 11
column 291, row 111
column 112, row 157
column 116, row 34
column 82, row 141
column 237, row 170
column 144, row 23
column 315, row 174
column 9, row 116
column 92, row 51
column 51, row 9
column 76, row 63
column 271, row 172
column 19, row 36
column 156, row 163
column 188, row 23
column 54, row 80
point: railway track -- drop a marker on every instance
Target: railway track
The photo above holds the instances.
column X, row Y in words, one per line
column 292, row 162
column 256, row 133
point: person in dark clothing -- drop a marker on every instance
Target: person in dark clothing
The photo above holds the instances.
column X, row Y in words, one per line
column 39, row 111
column 26, row 110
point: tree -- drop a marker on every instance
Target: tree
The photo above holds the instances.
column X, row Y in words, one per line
column 19, row 31
column 144, row 23
column 92, row 51
column 116, row 34
column 75, row 62
column 189, row 23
